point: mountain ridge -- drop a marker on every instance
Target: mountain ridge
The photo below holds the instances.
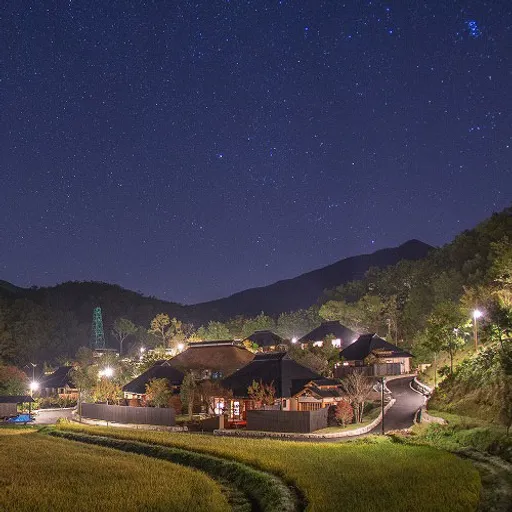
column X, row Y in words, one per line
column 297, row 292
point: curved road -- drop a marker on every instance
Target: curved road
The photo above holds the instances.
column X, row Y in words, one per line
column 408, row 401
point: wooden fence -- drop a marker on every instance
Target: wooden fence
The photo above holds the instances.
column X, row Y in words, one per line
column 127, row 414
column 286, row 421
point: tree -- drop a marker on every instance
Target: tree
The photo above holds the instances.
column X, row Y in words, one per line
column 106, row 390
column 12, row 381
column 213, row 331
column 188, row 392
column 358, row 388
column 344, row 412
column 316, row 361
column 208, row 390
column 261, row 322
column 294, row 324
column 158, row 392
column 263, row 393
column 165, row 328
column 446, row 329
column 121, row 330
column 84, row 375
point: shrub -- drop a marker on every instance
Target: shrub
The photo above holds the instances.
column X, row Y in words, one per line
column 344, row 412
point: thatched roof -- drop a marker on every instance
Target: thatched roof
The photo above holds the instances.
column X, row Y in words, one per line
column 217, row 356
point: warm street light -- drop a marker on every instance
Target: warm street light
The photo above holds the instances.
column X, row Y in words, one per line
column 181, row 346
column 34, row 386
column 107, row 372
column 294, row 339
column 476, row 315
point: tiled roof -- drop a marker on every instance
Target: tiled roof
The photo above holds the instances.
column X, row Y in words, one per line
column 265, row 338
column 60, row 378
column 368, row 343
column 15, row 399
column 286, row 375
column 157, row 371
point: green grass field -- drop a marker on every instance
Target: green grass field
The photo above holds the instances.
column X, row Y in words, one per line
column 376, row 475
column 40, row 473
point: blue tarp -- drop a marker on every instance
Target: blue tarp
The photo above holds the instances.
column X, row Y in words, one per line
column 21, row 418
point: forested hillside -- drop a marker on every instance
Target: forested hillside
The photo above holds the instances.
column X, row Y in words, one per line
column 406, row 302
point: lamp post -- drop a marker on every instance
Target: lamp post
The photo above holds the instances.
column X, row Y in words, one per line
column 476, row 315
column 34, row 386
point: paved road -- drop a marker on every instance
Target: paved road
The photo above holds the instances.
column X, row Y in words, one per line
column 51, row 416
column 401, row 415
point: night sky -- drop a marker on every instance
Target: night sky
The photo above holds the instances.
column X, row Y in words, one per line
column 193, row 149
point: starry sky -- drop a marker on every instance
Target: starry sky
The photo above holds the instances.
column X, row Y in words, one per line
column 189, row 150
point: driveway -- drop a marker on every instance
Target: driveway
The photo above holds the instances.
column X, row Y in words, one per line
column 50, row 416
column 408, row 401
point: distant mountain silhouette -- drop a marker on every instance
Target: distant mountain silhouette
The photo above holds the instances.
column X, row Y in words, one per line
column 304, row 290
column 288, row 295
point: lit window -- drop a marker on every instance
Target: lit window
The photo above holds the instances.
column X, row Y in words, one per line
column 318, row 344
column 336, row 343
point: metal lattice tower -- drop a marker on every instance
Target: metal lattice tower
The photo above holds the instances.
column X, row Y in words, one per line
column 97, row 334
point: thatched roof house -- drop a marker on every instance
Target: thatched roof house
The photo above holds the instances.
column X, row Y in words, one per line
column 212, row 359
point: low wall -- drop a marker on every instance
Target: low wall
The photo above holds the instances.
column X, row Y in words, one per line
column 7, row 410
column 298, row 436
column 287, row 421
column 422, row 388
column 127, row 414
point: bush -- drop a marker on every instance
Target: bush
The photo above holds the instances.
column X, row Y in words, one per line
column 54, row 402
column 344, row 412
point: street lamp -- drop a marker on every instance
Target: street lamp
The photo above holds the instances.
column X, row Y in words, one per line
column 107, row 372
column 34, row 386
column 294, row 340
column 181, row 346
column 476, row 315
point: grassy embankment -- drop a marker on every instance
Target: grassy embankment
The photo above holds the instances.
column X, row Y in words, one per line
column 39, row 473
column 486, row 444
column 373, row 475
column 462, row 432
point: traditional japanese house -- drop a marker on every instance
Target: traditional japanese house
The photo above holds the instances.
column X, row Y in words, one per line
column 318, row 393
column 135, row 390
column 59, row 383
column 212, row 359
column 373, row 355
column 341, row 336
column 266, row 340
column 289, row 381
